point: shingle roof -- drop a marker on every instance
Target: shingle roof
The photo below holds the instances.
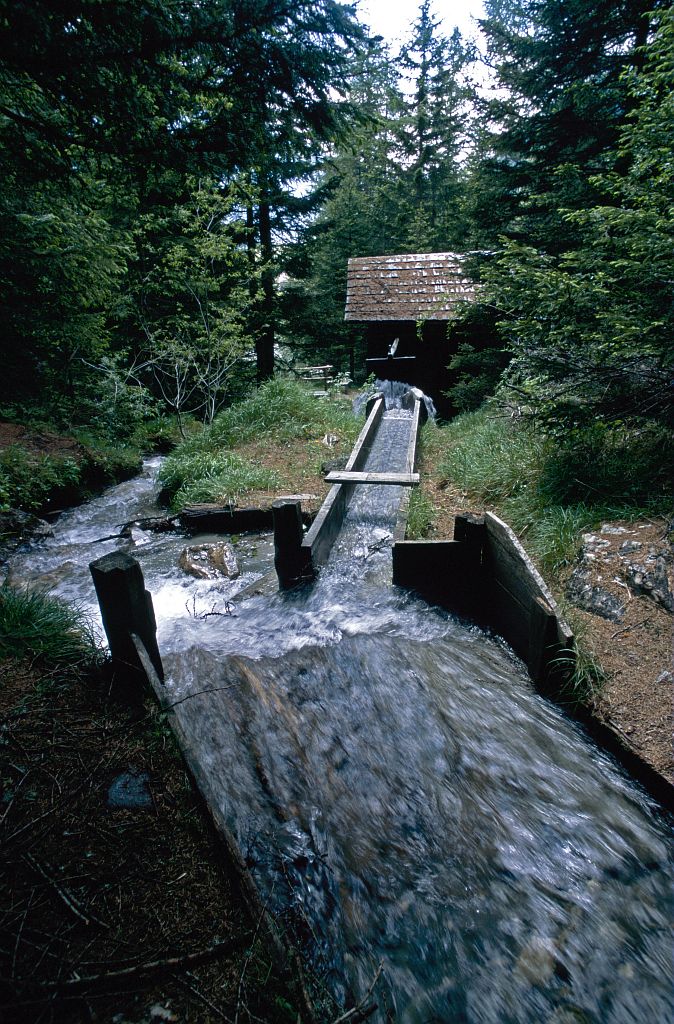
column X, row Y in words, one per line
column 426, row 286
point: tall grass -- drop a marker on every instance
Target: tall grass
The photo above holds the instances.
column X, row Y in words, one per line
column 203, row 468
column 195, row 476
column 37, row 626
column 553, row 490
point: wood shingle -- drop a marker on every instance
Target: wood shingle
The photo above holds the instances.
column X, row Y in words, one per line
column 426, row 286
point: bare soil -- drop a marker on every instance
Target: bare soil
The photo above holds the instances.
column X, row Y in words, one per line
column 40, row 442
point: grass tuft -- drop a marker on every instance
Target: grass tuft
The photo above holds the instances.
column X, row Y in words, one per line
column 203, row 468
column 421, row 516
column 35, row 625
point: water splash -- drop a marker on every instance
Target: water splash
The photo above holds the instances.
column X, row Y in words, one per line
column 393, row 391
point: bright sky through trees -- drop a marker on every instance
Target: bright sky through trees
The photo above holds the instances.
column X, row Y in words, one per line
column 392, row 18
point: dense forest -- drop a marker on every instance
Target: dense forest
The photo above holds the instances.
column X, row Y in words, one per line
column 183, row 183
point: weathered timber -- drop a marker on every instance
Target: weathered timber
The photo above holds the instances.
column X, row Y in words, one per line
column 394, row 479
column 208, row 518
column 319, row 540
column 327, row 524
column 486, row 574
column 290, row 558
column 447, row 573
column 187, row 722
column 127, row 611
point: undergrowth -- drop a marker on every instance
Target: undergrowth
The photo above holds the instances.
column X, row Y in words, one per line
column 35, row 625
column 551, row 490
column 36, row 482
column 420, row 517
column 202, row 476
column 203, row 467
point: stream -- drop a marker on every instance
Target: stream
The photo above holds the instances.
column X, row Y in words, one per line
column 400, row 793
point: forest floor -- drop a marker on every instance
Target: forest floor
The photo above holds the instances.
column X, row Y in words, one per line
column 130, row 915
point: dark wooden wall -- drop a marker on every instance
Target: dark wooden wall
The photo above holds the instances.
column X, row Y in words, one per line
column 431, row 354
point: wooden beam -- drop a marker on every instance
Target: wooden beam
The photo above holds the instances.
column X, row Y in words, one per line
column 395, row 479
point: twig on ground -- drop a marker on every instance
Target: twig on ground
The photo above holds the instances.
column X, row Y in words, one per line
column 71, row 903
column 200, row 996
column 361, row 1011
column 626, row 629
column 103, row 981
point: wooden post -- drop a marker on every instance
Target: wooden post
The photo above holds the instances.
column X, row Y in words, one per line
column 289, row 556
column 544, row 645
column 126, row 610
column 372, row 401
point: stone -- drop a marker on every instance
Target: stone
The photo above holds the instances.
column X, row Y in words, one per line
column 210, row 561
column 597, row 600
column 630, row 545
column 130, row 791
column 333, row 465
column 17, row 527
column 652, row 578
column 614, row 530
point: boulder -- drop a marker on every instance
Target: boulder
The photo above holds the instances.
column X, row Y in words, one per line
column 210, row 561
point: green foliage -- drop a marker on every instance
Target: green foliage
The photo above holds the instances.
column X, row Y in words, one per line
column 190, row 304
column 35, row 625
column 281, row 408
column 478, row 372
column 203, row 469
column 552, row 491
column 491, row 456
column 555, row 123
column 196, row 476
column 420, row 517
column 27, row 481
column 590, row 328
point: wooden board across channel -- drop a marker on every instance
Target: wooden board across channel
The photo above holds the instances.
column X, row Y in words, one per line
column 394, row 479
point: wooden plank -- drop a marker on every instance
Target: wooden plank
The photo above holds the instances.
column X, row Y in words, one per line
column 320, row 538
column 361, row 448
column 394, row 479
column 411, row 457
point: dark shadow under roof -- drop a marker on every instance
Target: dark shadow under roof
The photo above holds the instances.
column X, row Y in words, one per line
column 426, row 286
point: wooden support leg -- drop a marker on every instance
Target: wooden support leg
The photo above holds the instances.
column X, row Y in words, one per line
column 126, row 609
column 289, row 556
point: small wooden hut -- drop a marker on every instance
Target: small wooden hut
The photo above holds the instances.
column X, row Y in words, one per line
column 405, row 302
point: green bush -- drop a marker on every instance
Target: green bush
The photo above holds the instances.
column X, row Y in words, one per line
column 35, row 625
column 554, row 490
column 27, row 480
column 192, row 477
column 283, row 409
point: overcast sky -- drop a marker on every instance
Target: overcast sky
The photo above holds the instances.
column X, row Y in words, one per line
column 392, row 18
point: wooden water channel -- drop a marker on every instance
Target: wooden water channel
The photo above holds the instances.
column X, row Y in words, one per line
column 483, row 574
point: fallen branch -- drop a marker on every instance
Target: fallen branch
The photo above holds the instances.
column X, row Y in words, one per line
column 361, row 1011
column 626, row 629
column 102, row 981
column 71, row 903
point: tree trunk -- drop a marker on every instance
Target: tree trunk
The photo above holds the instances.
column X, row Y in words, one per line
column 264, row 343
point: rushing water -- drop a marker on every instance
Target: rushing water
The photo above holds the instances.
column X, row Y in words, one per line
column 400, row 793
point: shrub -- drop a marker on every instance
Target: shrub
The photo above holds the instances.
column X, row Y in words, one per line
column 555, row 489
column 27, row 480
column 212, row 476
